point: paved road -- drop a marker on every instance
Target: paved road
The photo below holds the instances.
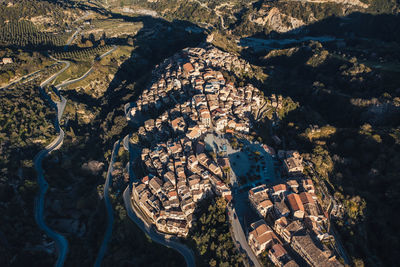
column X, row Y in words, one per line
column 71, row 38
column 109, row 209
column 66, row 83
column 19, row 79
column 154, row 235
column 61, row 241
column 240, row 237
column 108, row 52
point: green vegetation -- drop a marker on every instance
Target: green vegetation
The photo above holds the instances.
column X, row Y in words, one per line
column 288, row 105
column 76, row 69
column 24, row 62
column 320, row 133
column 353, row 89
column 211, row 236
column 25, row 128
column 225, row 43
column 130, row 246
column 351, row 139
column 83, row 54
column 24, row 33
column 13, row 10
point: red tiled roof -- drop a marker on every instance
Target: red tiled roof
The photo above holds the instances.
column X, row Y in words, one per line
column 279, row 187
column 306, row 198
column 295, row 202
column 188, row 67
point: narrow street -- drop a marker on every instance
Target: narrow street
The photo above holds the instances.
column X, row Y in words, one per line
column 240, row 237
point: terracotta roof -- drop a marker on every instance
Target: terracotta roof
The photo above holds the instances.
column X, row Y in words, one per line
column 172, row 194
column 265, row 238
column 279, row 187
column 306, row 198
column 278, row 250
column 266, row 203
column 228, row 198
column 282, row 221
column 145, row 179
column 188, row 67
column 295, row 202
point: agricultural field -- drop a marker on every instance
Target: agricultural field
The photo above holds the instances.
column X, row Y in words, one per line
column 104, row 70
column 112, row 28
column 87, row 54
column 25, row 34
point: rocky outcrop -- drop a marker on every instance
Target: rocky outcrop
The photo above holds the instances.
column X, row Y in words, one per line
column 93, row 166
column 346, row 2
column 274, row 20
column 285, row 16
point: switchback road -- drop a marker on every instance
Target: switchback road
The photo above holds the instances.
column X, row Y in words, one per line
column 61, row 241
column 110, row 215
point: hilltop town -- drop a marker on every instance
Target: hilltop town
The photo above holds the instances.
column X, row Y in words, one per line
column 194, row 104
column 179, row 172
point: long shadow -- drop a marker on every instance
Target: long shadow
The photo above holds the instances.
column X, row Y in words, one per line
column 361, row 162
column 292, row 74
column 157, row 40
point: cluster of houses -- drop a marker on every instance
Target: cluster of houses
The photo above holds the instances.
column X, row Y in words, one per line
column 180, row 175
column 198, row 100
column 198, row 95
column 296, row 221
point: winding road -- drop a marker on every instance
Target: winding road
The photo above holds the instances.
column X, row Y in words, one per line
column 60, row 240
column 154, row 235
column 66, row 83
column 157, row 237
column 110, row 215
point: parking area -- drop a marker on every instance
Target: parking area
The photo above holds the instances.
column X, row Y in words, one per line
column 250, row 164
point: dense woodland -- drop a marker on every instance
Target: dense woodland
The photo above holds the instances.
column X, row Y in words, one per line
column 26, row 127
column 211, row 236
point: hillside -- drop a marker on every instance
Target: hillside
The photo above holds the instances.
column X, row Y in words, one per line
column 247, row 18
column 328, row 71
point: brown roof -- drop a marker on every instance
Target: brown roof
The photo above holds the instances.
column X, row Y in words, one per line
column 308, row 182
column 266, row 203
column 291, row 263
column 278, row 250
column 293, row 183
column 265, row 238
column 295, row 202
column 188, row 67
column 262, row 233
column 282, row 221
column 279, row 187
column 306, row 198
column 172, row 194
column 145, row 179
column 260, row 228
